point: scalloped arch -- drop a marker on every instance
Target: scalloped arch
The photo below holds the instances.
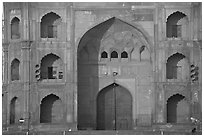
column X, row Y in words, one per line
column 175, row 11
column 48, row 12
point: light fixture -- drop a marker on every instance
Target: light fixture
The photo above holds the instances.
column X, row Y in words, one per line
column 115, row 73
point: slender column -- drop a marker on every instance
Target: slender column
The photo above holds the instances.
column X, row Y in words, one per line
column 26, row 80
column 5, row 84
column 5, row 63
column 74, row 60
column 25, row 24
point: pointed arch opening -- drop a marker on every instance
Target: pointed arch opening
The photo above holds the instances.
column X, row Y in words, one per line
column 177, row 109
column 114, row 54
column 15, row 70
column 49, row 25
column 51, row 110
column 104, row 54
column 111, row 36
column 15, row 33
column 176, row 25
column 51, row 67
column 124, row 54
column 13, row 110
column 173, row 67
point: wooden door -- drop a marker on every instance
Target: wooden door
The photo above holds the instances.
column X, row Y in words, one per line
column 114, row 109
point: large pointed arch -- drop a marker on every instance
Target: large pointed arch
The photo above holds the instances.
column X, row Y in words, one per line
column 89, row 50
column 104, row 26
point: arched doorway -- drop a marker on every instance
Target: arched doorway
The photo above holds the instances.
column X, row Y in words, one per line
column 51, row 109
column 94, row 66
column 13, row 110
column 177, row 109
column 114, row 108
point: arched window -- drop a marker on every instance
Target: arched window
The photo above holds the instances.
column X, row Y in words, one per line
column 15, row 64
column 173, row 67
column 51, row 67
column 173, row 27
column 49, row 24
column 124, row 54
column 104, row 54
column 15, row 34
column 114, row 54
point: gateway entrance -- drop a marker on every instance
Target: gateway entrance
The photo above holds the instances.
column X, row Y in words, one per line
column 114, row 108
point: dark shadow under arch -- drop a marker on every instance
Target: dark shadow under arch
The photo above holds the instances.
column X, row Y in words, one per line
column 49, row 111
column 13, row 110
column 171, row 65
column 172, row 107
column 49, row 23
column 15, row 28
column 172, row 28
column 15, row 70
column 51, row 67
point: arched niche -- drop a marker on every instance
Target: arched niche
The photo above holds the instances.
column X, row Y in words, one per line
column 15, row 70
column 177, row 25
column 49, row 26
column 15, row 28
column 51, row 67
column 51, row 109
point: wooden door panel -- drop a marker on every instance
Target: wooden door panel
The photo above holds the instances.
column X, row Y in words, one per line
column 114, row 105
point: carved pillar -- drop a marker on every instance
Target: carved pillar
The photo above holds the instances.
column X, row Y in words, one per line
column 26, row 80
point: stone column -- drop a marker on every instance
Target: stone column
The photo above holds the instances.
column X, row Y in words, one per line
column 5, row 84
column 5, row 63
column 26, row 81
column 73, row 58
column 25, row 23
column 160, row 118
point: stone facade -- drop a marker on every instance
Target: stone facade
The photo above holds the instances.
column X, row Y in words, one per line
column 72, row 55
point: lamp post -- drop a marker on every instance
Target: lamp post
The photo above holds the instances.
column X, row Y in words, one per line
column 114, row 92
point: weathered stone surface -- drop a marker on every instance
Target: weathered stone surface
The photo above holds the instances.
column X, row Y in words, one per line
column 83, row 32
